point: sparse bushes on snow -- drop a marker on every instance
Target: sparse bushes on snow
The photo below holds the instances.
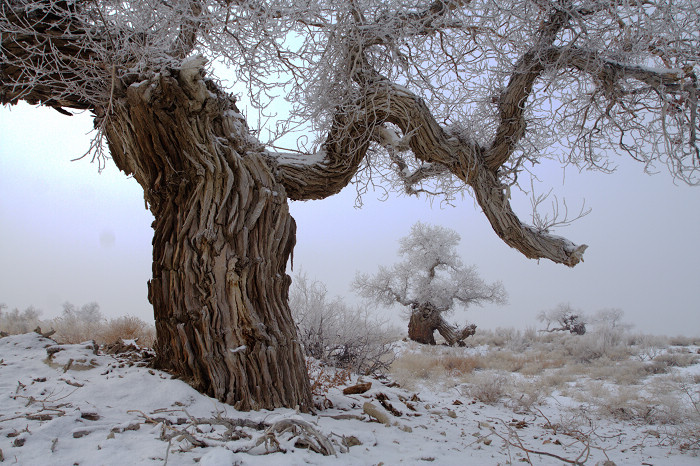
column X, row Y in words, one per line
column 487, row 387
column 79, row 324
column 607, row 373
column 338, row 334
column 681, row 340
column 76, row 325
column 526, row 393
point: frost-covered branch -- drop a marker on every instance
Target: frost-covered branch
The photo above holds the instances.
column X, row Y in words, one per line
column 433, row 98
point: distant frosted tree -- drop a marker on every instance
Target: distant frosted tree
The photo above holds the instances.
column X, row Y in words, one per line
column 78, row 323
column 431, row 281
column 611, row 318
column 610, row 327
column 563, row 318
column 429, row 97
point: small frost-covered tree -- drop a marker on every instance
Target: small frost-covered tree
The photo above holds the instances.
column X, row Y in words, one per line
column 611, row 318
column 78, row 324
column 563, row 318
column 430, row 281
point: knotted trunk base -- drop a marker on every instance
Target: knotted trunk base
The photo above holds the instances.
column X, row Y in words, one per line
column 425, row 320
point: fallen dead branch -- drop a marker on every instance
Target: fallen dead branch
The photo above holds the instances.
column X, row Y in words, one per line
column 511, row 438
column 189, row 429
column 309, row 437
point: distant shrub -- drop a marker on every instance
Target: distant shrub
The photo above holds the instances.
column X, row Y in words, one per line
column 416, row 366
column 78, row 324
column 127, row 328
column 680, row 340
column 510, row 338
column 677, row 359
column 487, row 387
column 337, row 334
column 459, row 365
column 647, row 347
column 524, row 394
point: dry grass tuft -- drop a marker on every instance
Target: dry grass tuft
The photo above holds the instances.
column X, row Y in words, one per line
column 488, row 387
column 128, row 328
column 677, row 359
column 525, row 394
column 411, row 368
column 460, row 365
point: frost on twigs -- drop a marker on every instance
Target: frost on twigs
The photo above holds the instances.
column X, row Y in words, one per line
column 339, row 334
column 476, row 93
column 435, row 99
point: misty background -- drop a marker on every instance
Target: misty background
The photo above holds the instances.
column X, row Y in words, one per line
column 69, row 233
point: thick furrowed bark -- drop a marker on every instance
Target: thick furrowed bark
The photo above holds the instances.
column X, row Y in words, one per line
column 532, row 243
column 223, row 234
column 425, row 320
column 421, row 327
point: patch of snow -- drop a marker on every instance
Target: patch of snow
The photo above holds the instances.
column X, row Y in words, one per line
column 297, row 159
column 116, row 411
column 234, row 114
column 219, row 456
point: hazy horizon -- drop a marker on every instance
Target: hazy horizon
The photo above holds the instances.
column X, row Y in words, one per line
column 71, row 234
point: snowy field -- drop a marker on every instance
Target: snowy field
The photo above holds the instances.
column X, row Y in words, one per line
column 79, row 405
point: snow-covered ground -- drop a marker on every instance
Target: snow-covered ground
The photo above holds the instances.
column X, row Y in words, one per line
column 74, row 404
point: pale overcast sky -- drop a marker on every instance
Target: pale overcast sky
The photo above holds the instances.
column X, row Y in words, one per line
column 68, row 233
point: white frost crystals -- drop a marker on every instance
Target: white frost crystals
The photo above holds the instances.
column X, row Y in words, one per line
column 434, row 98
column 431, row 272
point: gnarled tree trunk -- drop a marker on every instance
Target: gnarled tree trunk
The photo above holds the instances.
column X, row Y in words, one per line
column 426, row 319
column 223, row 235
column 422, row 325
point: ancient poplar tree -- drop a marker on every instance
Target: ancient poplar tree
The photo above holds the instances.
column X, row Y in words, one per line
column 431, row 97
column 430, row 282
